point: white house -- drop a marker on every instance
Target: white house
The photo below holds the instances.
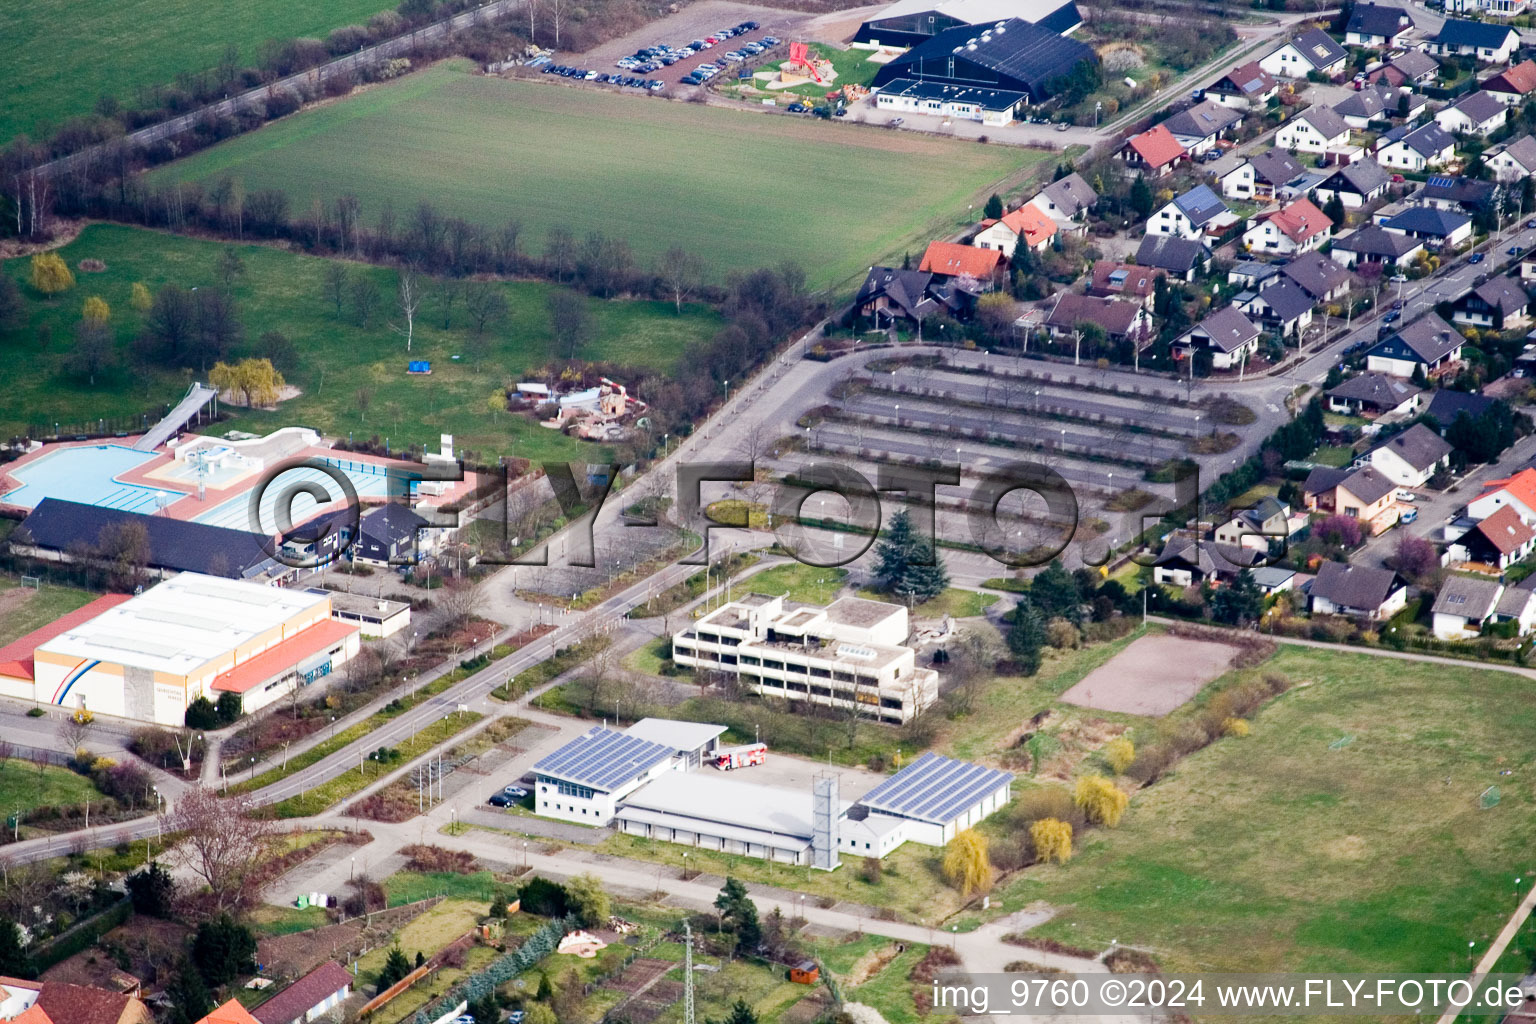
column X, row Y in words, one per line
column 1412, row 457
column 1463, row 605
column 1518, row 492
column 1318, row 129
column 1230, row 337
column 1429, row 343
column 1237, row 183
column 1359, row 591
column 1489, row 43
column 1513, row 161
column 1297, row 227
column 1376, row 25
column 1188, row 215
column 1313, row 50
column 1066, row 202
column 1198, row 127
column 1355, row 184
column 1027, row 223
column 1416, row 149
column 1477, row 113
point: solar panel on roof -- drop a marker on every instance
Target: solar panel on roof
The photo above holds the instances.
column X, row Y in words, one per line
column 603, row 759
column 935, row 788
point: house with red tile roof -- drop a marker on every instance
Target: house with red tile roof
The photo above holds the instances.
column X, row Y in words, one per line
column 1125, row 281
column 1518, row 492
column 57, row 1002
column 983, row 266
column 1027, row 222
column 320, row 990
column 1297, row 227
column 1512, row 85
column 229, row 1013
column 1155, row 151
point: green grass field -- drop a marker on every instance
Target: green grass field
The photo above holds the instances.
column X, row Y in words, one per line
column 35, row 609
column 23, row 788
column 1278, row 852
column 62, row 54
column 284, row 291
column 743, row 190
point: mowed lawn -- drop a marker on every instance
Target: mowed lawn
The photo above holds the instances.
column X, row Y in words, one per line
column 285, row 291
column 60, row 55
column 1278, row 852
column 744, row 189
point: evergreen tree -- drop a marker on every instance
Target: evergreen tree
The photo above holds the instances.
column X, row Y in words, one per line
column 923, row 582
column 1026, row 636
column 741, row 1013
column 1334, row 210
column 737, row 909
column 1055, row 593
column 188, row 995
column 152, row 890
column 1238, row 602
column 545, row 991
column 396, row 966
column 14, row 958
column 223, row 949
column 994, row 208
column 894, row 552
column 484, row 1009
column 1141, row 197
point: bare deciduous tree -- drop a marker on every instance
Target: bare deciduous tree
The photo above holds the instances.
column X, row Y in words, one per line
column 408, row 293
column 223, row 842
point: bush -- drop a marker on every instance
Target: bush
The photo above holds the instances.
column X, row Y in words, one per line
column 1061, row 634
column 1101, row 800
column 201, row 714
column 1052, row 840
column 432, row 859
column 1235, row 727
column 1119, row 753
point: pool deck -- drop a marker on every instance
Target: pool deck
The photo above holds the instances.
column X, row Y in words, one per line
column 186, row 506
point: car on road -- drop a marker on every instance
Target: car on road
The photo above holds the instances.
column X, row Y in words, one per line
column 1530, row 224
column 1476, row 257
column 1063, row 126
column 1409, row 516
column 1392, row 317
column 1513, row 250
column 896, row 121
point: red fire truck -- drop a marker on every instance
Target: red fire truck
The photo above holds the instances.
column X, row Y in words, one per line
column 728, row 758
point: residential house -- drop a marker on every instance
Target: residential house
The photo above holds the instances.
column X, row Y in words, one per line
column 1375, row 244
column 1178, row 257
column 1273, row 170
column 1498, row 541
column 1266, row 523
column 309, row 998
column 1187, row 561
column 1251, row 275
column 1437, row 229
column 1120, row 321
column 1359, row 591
column 1190, row 215
column 1512, row 161
column 1410, row 69
column 1198, row 127
column 978, row 269
column 1274, row 579
column 1317, row 275
column 1463, row 605
column 1130, row 281
column 1029, row 223
column 1487, row 42
column 1444, row 192
column 1405, row 148
column 230, row 1012
column 1374, row 394
column 1282, row 307
column 1428, row 344
column 909, row 295
column 1517, row 492
column 1487, row 8
column 1379, row 26
column 1244, row 88
column 1295, row 228
column 1478, row 113
column 1445, row 405
column 1512, row 85
column 1155, row 151
column 1499, row 302
column 393, row 535
column 1318, row 129
column 1411, row 458
column 1380, row 102
column 1312, row 51
column 1230, row 337
column 1362, row 493
column 1067, row 202
column 1355, row 184
column 59, row 1002
column 1234, row 176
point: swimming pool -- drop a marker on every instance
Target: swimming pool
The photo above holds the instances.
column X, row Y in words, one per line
column 370, row 481
column 88, row 474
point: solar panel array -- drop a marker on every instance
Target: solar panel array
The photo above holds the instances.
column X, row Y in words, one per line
column 603, row 759
column 934, row 788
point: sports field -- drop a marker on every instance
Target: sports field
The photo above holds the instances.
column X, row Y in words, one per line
column 743, row 189
column 60, row 55
column 336, row 359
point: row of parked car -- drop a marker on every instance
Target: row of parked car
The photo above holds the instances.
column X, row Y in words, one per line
column 649, row 58
column 628, row 81
column 704, row 72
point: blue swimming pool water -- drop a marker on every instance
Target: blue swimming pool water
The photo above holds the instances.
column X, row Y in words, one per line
column 87, row 475
column 370, row 481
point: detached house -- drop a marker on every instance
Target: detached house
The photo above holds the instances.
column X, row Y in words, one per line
column 1513, row 161
column 1489, row 43
column 1198, row 128
column 1355, row 184
column 1067, row 201
column 1320, row 277
column 1517, row 492
column 977, row 269
column 1462, row 193
column 1003, row 235
column 1428, row 344
column 1155, row 151
column 1380, row 102
column 1273, row 170
column 1120, row 321
column 1408, row 69
column 1375, row 244
column 1411, row 458
column 1190, row 562
column 909, row 295
column 1312, row 51
column 1374, row 394
column 1280, row 306
column 1466, row 604
column 1298, row 227
column 1230, row 337
column 1124, row 281
column 1512, row 85
column 1363, row 493
column 1318, row 129
column 1499, row 541
column 1478, row 113
column 1415, row 149
column 1178, row 257
column 1376, row 25
column 1245, row 88
column 1266, row 523
column 1437, row 229
column 1192, row 215
column 1499, row 302
column 1358, row 591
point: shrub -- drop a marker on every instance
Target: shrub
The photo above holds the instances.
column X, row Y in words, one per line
column 1052, row 840
column 1235, row 727
column 433, row 859
column 1101, row 800
column 1119, row 753
column 1061, row 634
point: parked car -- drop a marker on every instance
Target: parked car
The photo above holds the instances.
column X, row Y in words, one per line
column 1404, row 494
column 515, row 792
column 1411, row 515
column 516, row 1017
column 797, row 108
column 1476, row 257
column 1514, row 250
column 500, row 800
column 1392, row 317
column 895, row 121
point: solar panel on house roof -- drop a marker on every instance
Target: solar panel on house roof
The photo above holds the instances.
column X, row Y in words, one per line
column 603, row 759
column 934, row 788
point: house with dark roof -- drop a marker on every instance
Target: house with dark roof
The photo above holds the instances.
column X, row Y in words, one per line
column 309, row 998
column 1437, row 229
column 1444, row 192
column 1376, row 25
column 1294, row 228
column 1012, row 55
column 1487, row 42
column 1282, row 307
column 1179, row 257
column 1154, row 152
column 1129, row 281
column 1413, row 67
column 1230, row 337
column 1252, row 275
column 1246, row 87
column 1428, row 344
column 1380, row 102
column 1356, row 184
column 1359, row 591
column 1120, row 321
column 1259, row 527
column 1317, row 275
column 1066, row 201
column 391, row 535
column 1312, row 51
column 1499, row 302
column 1191, row 215
column 62, row 530
column 909, row 295
column 1187, row 561
column 1318, row 129
column 1406, row 148
column 1271, row 171
column 1198, row 127
column 1512, row 161
column 1362, row 493
column 909, row 23
column 1478, row 113
column 1463, row 605
column 1411, row 458
column 1374, row 394
column 1445, row 405
column 1372, row 243
column 1512, row 85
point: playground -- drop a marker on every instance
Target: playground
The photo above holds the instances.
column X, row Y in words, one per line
column 815, row 71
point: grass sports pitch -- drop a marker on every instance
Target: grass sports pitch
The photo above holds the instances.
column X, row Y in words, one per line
column 743, row 189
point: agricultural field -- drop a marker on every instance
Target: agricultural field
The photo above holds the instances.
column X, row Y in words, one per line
column 336, row 360
column 62, row 54
column 1268, row 852
column 742, row 189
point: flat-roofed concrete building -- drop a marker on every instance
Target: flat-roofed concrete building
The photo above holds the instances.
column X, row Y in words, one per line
column 851, row 653
column 374, row 616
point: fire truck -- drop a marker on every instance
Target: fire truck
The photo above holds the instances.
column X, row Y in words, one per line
column 741, row 757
